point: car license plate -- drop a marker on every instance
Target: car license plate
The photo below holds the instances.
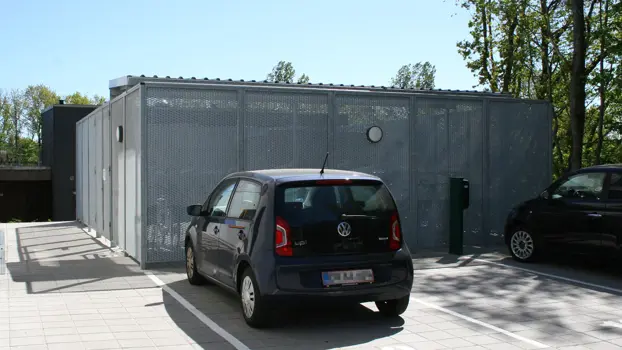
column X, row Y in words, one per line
column 336, row 278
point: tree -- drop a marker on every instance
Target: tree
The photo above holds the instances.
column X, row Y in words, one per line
column 78, row 99
column 549, row 49
column 16, row 109
column 415, row 76
column 284, row 72
column 37, row 99
column 304, row 79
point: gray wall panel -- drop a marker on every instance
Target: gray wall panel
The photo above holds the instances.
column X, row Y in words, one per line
column 99, row 163
column 78, row 171
column 132, row 182
column 107, row 207
column 118, row 175
column 292, row 128
column 191, row 144
column 519, row 157
column 85, row 170
column 93, row 171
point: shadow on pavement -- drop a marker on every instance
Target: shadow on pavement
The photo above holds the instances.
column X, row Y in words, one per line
column 557, row 313
column 314, row 326
column 61, row 257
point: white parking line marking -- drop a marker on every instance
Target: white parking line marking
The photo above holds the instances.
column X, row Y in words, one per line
column 201, row 316
column 483, row 324
column 555, row 277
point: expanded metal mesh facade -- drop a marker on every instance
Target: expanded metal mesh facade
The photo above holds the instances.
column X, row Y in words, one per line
column 181, row 139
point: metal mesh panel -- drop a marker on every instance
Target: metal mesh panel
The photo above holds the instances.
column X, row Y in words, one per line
column 291, row 128
column 192, row 142
column 431, row 169
column 78, row 172
column 118, row 175
column 132, row 182
column 99, row 183
column 519, row 157
column 466, row 160
column 85, row 171
column 387, row 159
column 106, row 171
column 92, row 172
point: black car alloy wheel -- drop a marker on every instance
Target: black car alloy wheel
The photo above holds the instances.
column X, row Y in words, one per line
column 522, row 245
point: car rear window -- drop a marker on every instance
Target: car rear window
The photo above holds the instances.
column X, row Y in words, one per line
column 359, row 198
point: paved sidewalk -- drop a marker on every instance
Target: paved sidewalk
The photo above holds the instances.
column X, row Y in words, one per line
column 64, row 290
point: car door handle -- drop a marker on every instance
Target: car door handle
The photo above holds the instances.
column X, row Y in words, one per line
column 594, row 215
column 216, row 230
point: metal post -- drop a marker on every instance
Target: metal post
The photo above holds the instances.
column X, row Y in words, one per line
column 458, row 201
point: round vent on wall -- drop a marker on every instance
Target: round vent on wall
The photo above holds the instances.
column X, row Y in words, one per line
column 374, row 134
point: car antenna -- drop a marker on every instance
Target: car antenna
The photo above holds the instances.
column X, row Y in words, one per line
column 324, row 165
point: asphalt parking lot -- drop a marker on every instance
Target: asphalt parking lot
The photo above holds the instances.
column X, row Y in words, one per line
column 64, row 290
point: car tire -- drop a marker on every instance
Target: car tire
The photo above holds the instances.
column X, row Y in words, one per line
column 193, row 275
column 523, row 245
column 395, row 307
column 255, row 310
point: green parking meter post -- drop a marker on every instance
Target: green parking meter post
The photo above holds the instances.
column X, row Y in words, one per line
column 458, row 202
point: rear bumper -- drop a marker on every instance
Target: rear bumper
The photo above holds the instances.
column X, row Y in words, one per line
column 301, row 279
column 353, row 294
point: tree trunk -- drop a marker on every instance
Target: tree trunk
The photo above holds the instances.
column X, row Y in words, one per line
column 577, row 84
column 603, row 83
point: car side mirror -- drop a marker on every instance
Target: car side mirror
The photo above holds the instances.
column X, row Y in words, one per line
column 545, row 195
column 194, row 210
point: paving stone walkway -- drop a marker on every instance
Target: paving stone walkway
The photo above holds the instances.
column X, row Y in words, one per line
column 65, row 290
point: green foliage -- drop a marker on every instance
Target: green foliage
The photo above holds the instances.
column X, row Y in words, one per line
column 284, row 72
column 417, row 76
column 37, row 99
column 525, row 48
column 78, row 99
column 21, row 121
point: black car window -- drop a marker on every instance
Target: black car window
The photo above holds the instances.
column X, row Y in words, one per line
column 581, row 186
column 220, row 198
column 245, row 200
column 615, row 186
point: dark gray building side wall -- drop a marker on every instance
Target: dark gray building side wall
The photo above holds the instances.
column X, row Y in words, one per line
column 47, row 137
column 62, row 148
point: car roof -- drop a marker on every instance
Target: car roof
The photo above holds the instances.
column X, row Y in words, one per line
column 615, row 167
column 289, row 175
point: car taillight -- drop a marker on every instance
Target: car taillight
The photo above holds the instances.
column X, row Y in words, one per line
column 283, row 243
column 395, row 236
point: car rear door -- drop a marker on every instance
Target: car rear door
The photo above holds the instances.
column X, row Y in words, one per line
column 579, row 205
column 612, row 239
column 211, row 224
column 236, row 227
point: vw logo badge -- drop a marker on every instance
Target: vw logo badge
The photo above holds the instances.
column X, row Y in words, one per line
column 344, row 229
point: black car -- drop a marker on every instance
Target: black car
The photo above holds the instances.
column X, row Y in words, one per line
column 579, row 213
column 277, row 236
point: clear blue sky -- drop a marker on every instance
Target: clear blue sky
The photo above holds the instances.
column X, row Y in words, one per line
column 79, row 45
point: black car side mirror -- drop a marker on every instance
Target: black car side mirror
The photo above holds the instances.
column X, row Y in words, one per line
column 545, row 195
column 194, row 210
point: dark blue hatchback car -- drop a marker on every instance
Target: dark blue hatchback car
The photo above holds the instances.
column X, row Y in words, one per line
column 274, row 236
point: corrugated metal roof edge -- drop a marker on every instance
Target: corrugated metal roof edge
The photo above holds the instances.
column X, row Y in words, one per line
column 130, row 80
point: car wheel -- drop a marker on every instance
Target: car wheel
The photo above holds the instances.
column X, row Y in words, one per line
column 522, row 245
column 191, row 267
column 393, row 307
column 254, row 309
